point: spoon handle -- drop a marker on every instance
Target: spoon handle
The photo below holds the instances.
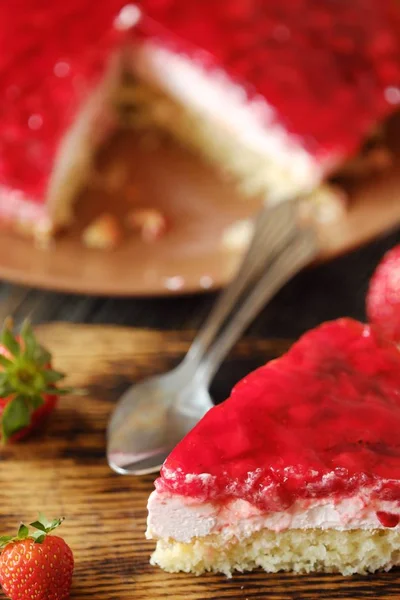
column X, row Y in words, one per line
column 273, row 226
column 300, row 249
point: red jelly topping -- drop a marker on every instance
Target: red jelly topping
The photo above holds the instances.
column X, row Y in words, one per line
column 330, row 69
column 322, row 420
column 388, row 519
column 51, row 55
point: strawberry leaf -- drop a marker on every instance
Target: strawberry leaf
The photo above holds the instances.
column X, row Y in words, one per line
column 38, row 525
column 43, row 526
column 5, row 539
column 15, row 417
column 38, row 536
column 6, row 389
column 23, row 531
column 51, row 376
column 54, row 524
column 55, row 391
column 32, row 350
column 5, row 362
column 26, row 378
column 41, row 356
column 8, row 340
column 44, row 520
column 29, row 340
column 35, row 401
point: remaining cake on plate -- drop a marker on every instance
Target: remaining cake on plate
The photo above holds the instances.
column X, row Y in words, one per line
column 298, row 470
column 279, row 93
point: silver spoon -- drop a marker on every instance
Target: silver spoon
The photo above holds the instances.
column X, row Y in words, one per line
column 154, row 415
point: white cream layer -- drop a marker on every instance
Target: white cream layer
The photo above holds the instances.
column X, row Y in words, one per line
column 216, row 98
column 182, row 519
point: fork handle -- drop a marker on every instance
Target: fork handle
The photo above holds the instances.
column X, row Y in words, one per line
column 298, row 252
column 272, row 228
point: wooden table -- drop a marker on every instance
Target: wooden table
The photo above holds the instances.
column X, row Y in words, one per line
column 64, row 471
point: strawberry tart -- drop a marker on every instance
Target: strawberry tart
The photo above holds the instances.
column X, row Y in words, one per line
column 298, row 470
column 278, row 93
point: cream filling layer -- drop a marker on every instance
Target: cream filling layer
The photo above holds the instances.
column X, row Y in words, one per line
column 182, row 519
column 254, row 124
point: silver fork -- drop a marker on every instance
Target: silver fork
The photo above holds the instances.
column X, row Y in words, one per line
column 154, row 415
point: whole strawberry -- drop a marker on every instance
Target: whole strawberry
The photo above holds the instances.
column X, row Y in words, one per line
column 383, row 298
column 28, row 392
column 36, row 566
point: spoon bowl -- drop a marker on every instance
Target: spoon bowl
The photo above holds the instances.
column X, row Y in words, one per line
column 152, row 417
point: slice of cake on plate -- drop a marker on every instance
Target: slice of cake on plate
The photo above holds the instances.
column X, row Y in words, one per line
column 298, row 470
column 278, row 93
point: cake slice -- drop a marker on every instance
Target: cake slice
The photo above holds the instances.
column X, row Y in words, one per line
column 279, row 93
column 298, row 470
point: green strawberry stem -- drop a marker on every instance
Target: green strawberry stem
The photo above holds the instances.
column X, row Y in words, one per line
column 43, row 527
column 26, row 377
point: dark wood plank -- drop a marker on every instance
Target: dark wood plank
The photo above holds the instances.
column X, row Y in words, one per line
column 64, row 471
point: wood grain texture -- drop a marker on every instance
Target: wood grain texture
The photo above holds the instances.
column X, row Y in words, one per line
column 64, row 472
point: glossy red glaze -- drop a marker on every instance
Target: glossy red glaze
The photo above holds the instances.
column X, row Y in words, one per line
column 321, row 421
column 388, row 519
column 383, row 298
column 330, row 70
column 51, row 55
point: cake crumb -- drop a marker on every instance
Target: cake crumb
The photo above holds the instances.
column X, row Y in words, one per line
column 103, row 233
column 150, row 223
column 238, row 235
column 326, row 204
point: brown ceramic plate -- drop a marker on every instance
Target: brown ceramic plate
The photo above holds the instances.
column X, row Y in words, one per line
column 199, row 206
